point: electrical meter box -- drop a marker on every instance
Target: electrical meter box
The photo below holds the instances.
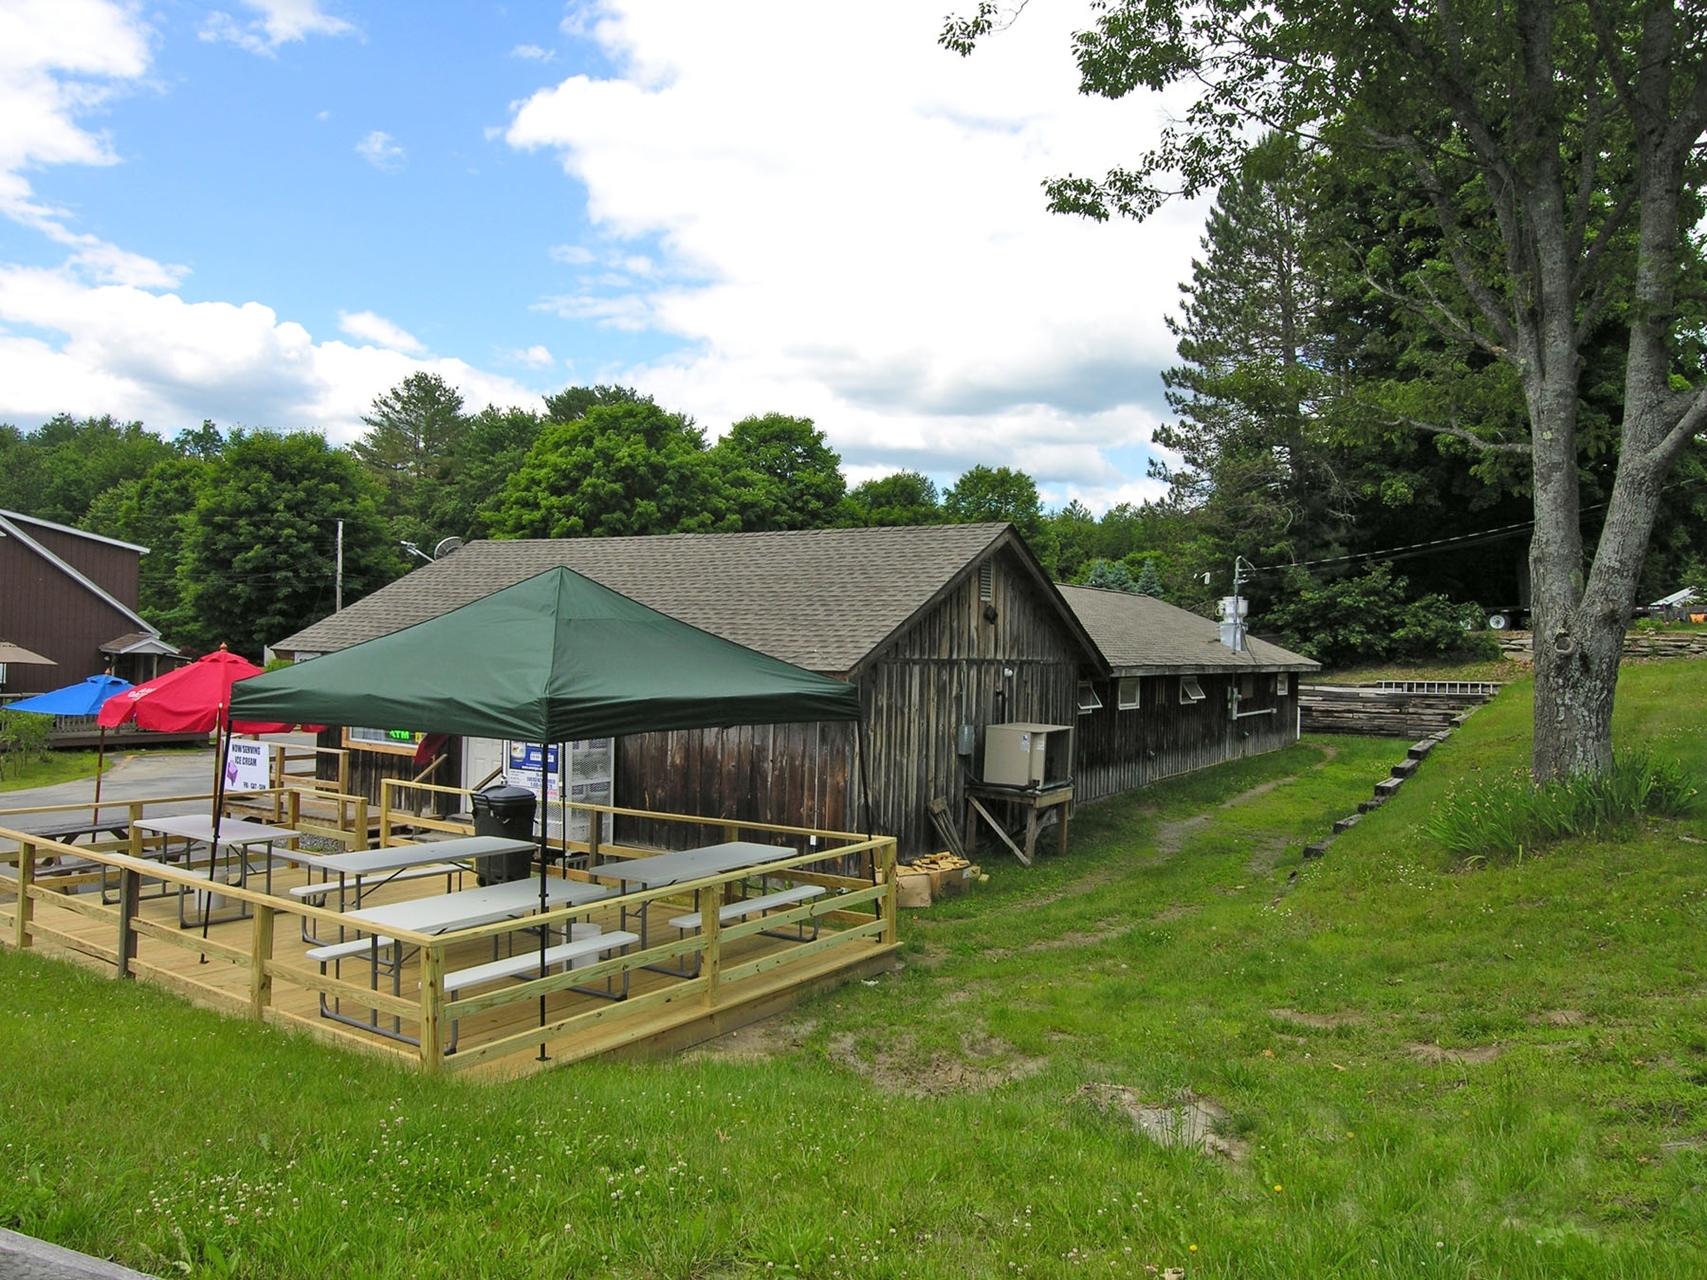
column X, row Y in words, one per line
column 1027, row 755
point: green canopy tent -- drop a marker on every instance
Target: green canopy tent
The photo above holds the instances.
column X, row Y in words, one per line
column 554, row 658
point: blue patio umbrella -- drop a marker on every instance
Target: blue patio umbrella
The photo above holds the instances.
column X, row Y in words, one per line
column 81, row 699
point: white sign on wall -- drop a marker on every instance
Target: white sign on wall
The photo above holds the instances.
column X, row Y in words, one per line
column 248, row 767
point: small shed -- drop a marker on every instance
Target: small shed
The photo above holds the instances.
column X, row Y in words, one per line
column 1174, row 697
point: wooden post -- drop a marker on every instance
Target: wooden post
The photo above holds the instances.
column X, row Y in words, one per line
column 260, row 958
column 385, row 813
column 343, row 772
column 135, row 831
column 731, row 832
column 595, row 830
column 360, row 823
column 295, row 808
column 432, row 1008
column 711, row 929
column 130, row 888
column 26, row 904
column 891, row 918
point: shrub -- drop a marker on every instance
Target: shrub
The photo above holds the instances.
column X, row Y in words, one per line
column 23, row 736
column 1368, row 619
column 1508, row 815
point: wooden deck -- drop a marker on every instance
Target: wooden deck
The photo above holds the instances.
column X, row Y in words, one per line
column 256, row 967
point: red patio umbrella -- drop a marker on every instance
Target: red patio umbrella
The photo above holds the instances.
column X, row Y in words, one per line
column 193, row 699
column 190, row 699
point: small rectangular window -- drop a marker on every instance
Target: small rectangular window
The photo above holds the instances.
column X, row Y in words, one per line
column 1088, row 700
column 1247, row 686
column 1190, row 691
column 1280, row 684
column 1127, row 694
column 986, row 582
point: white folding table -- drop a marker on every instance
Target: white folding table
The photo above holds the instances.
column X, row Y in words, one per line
column 362, row 865
column 445, row 913
column 663, row 869
column 235, row 835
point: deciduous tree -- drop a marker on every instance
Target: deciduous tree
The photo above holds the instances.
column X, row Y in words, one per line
column 1555, row 144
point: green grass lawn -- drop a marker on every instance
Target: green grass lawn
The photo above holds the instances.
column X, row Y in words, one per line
column 1496, row 670
column 1423, row 1071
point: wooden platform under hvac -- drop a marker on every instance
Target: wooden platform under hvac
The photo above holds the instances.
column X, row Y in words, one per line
column 79, row 928
column 1371, row 711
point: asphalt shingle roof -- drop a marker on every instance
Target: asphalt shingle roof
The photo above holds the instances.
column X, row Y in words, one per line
column 822, row 599
column 1140, row 634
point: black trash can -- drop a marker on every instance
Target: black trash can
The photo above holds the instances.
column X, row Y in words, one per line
column 507, row 812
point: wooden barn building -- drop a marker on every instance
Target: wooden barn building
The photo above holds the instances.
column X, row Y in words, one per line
column 946, row 629
column 1173, row 696
column 71, row 596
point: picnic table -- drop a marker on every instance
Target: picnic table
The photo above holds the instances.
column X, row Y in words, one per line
column 663, row 869
column 443, row 913
column 394, row 863
column 236, row 835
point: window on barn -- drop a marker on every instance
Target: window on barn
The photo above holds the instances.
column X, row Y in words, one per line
column 1088, row 700
column 986, row 582
column 1280, row 684
column 1127, row 694
column 1190, row 691
column 1247, row 686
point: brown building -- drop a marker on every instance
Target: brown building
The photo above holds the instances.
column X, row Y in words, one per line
column 71, row 596
column 946, row 629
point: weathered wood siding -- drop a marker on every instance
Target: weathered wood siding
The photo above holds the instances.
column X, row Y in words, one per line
column 368, row 768
column 1118, row 750
column 951, row 667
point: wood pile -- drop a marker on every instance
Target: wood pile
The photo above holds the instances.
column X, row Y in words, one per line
column 1382, row 713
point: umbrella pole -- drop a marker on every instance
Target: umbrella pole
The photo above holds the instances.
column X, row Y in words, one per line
column 544, row 856
column 100, row 759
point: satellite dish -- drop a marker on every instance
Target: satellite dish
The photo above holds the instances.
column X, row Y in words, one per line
column 446, row 547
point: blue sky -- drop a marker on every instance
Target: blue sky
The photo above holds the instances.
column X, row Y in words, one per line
column 265, row 212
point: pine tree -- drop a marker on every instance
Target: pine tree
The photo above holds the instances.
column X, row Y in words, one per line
column 1150, row 582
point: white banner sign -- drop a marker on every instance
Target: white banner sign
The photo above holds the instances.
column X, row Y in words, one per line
column 249, row 766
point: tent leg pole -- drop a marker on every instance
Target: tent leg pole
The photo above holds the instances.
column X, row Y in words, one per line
column 221, row 756
column 544, row 856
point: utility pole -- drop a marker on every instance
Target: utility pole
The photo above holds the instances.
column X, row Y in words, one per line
column 338, row 576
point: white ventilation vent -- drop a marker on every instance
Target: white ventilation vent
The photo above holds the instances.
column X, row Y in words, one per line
column 1190, row 691
column 986, row 582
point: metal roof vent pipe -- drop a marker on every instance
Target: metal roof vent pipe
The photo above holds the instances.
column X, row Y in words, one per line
column 1233, row 611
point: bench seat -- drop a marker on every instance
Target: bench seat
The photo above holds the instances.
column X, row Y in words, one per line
column 322, row 887
column 527, row 964
column 748, row 906
column 344, row 950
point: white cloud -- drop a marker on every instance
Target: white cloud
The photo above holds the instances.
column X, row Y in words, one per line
column 862, row 237
column 61, row 60
column 130, row 351
column 534, row 357
column 380, row 150
column 378, row 330
column 533, row 53
column 280, row 22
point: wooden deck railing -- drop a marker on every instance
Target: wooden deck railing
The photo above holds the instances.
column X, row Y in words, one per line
column 861, row 911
